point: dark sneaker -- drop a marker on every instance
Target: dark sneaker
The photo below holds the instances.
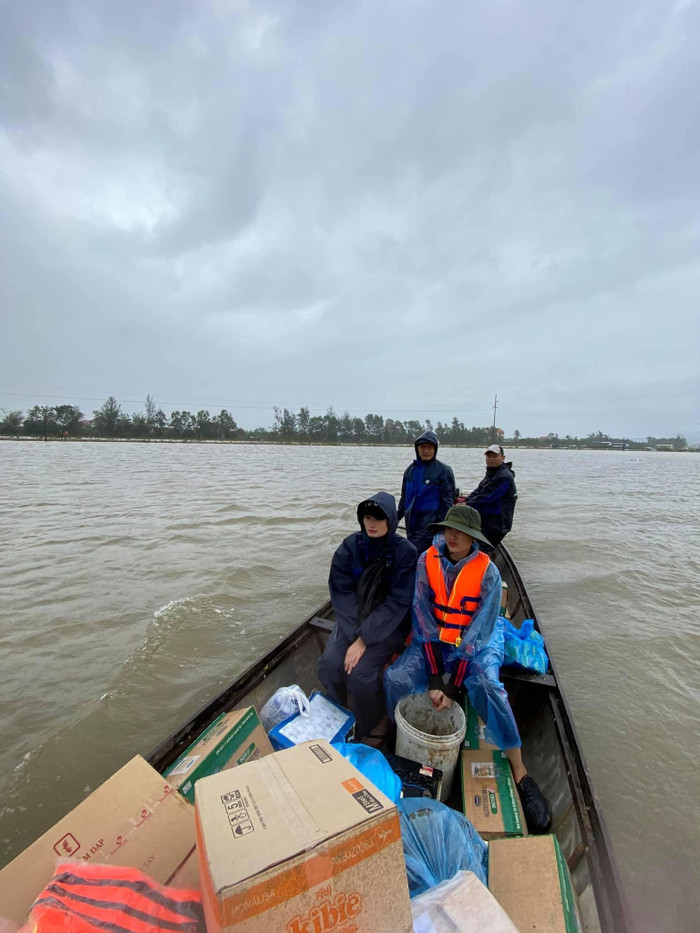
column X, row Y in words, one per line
column 538, row 813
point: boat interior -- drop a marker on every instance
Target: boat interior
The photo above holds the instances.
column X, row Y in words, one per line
column 551, row 751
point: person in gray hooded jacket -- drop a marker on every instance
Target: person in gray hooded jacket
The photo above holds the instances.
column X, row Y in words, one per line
column 428, row 491
column 371, row 586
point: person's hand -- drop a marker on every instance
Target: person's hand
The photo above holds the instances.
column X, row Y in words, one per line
column 353, row 654
column 439, row 700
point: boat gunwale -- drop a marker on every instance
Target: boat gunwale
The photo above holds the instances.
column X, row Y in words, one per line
column 172, row 747
column 613, row 910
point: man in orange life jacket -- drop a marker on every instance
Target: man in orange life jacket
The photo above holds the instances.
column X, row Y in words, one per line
column 457, row 634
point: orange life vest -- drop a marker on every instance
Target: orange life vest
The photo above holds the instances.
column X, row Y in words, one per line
column 455, row 613
column 99, row 898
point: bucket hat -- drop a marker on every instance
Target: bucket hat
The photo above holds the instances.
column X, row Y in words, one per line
column 462, row 518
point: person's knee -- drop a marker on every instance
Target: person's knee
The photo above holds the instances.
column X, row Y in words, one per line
column 363, row 679
column 329, row 667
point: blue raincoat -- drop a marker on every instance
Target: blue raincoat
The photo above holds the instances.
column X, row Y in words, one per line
column 426, row 662
column 427, row 492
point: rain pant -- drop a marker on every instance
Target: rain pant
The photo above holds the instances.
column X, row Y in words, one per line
column 472, row 666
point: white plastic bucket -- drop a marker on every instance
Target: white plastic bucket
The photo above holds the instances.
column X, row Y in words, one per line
column 433, row 738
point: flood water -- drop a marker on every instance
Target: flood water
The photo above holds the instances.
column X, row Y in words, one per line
column 136, row 580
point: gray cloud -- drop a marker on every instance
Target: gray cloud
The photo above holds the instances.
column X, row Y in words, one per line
column 390, row 207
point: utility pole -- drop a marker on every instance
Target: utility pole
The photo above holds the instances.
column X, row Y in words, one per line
column 493, row 430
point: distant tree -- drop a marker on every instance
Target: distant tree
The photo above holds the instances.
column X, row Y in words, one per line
column 317, row 428
column 226, row 427
column 139, row 425
column 176, row 423
column 303, row 423
column 516, row 435
column 358, row 429
column 332, row 425
column 160, row 421
column 285, row 424
column 189, row 423
column 41, row 419
column 12, row 422
column 68, row 418
column 374, row 427
column 150, row 410
column 289, row 424
column 203, row 427
column 345, row 428
column 109, row 419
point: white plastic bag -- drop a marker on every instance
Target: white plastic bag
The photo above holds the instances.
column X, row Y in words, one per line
column 460, row 905
column 285, row 702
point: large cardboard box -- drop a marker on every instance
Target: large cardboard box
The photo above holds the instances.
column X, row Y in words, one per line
column 134, row 819
column 232, row 739
column 490, row 797
column 300, row 842
column 530, row 880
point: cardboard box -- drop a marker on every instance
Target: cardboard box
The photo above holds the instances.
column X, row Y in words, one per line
column 474, row 737
column 232, row 739
column 530, row 880
column 300, row 841
column 490, row 798
column 134, row 819
column 187, row 875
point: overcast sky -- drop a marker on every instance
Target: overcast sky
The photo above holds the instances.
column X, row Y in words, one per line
column 396, row 207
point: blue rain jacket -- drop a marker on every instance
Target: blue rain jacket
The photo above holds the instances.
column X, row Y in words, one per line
column 427, row 492
column 494, row 499
column 355, row 553
column 473, row 665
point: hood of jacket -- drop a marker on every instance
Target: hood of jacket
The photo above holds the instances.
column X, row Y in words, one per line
column 427, row 437
column 387, row 503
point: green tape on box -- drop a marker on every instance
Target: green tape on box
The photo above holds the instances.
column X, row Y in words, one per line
column 219, row 755
column 472, row 737
column 567, row 894
column 512, row 824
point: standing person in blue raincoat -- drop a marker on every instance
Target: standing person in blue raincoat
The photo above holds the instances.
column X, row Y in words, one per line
column 457, row 644
column 371, row 586
column 428, row 491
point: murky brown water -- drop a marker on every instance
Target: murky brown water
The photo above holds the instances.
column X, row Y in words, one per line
column 138, row 579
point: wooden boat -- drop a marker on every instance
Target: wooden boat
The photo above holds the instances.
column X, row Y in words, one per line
column 550, row 747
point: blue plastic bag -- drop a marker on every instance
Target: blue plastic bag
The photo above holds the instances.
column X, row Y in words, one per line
column 373, row 765
column 437, row 843
column 524, row 647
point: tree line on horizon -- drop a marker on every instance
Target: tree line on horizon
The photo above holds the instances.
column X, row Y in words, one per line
column 110, row 421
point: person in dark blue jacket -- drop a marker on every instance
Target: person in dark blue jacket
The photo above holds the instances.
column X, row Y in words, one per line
column 495, row 496
column 371, row 586
column 428, row 491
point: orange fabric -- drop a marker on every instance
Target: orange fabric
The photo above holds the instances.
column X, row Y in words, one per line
column 89, row 898
column 454, row 613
